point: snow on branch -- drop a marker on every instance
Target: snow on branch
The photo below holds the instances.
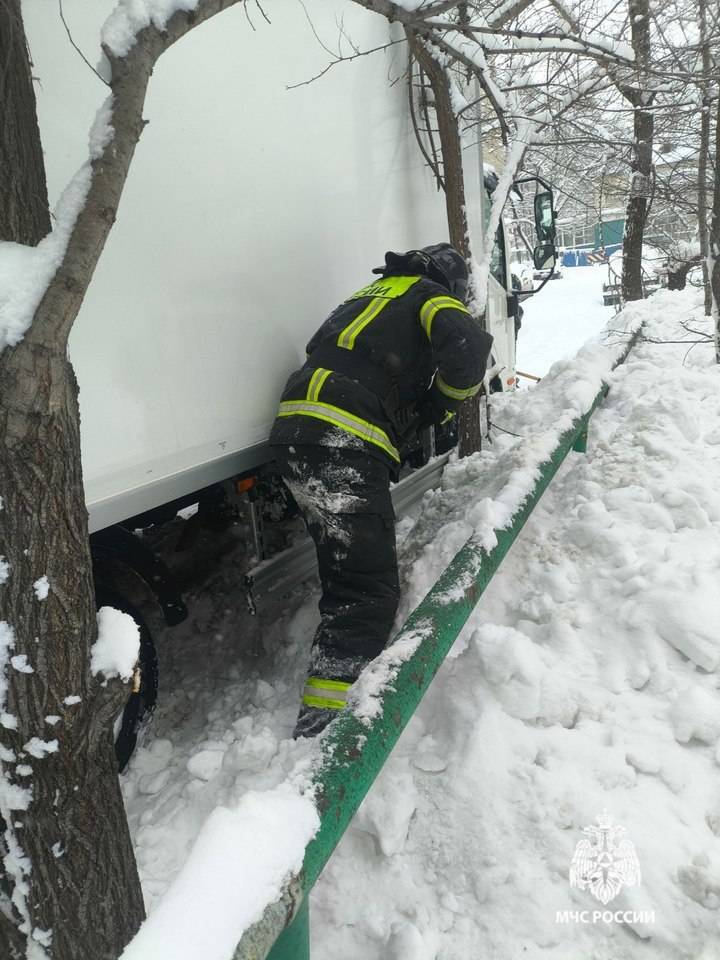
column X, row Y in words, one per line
column 545, row 41
column 506, row 12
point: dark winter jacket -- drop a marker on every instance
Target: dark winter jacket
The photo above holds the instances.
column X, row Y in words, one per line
column 397, row 351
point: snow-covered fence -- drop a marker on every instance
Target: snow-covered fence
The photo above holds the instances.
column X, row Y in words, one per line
column 360, row 741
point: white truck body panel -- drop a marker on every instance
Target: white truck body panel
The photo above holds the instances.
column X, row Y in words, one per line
column 250, row 211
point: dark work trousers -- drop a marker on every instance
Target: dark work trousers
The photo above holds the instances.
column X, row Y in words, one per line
column 344, row 496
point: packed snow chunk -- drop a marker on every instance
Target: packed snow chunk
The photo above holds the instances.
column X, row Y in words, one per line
column 428, row 756
column 72, row 700
column 696, row 715
column 525, row 687
column 208, row 761
column 20, row 663
column 40, row 748
column 116, row 650
column 153, row 758
column 513, row 666
column 407, row 942
column 700, row 881
column 688, row 622
column 131, row 16
column 4, row 570
column 42, row 588
column 251, row 753
column 236, row 868
column 387, row 810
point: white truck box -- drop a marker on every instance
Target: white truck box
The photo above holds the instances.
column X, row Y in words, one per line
column 250, row 211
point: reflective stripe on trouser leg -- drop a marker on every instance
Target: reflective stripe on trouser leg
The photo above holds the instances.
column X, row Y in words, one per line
column 330, row 694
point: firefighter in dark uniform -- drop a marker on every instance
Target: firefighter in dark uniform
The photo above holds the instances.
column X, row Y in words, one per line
column 400, row 354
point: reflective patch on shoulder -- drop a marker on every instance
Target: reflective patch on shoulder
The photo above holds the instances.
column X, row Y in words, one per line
column 386, row 287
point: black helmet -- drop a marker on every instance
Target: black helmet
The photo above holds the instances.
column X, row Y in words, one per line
column 440, row 262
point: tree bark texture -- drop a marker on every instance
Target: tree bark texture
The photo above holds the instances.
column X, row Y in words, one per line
column 469, row 428
column 704, row 155
column 82, row 880
column 70, row 885
column 714, row 241
column 24, row 214
column 641, row 163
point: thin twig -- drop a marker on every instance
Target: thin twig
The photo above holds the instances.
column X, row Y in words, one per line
column 334, row 63
column 248, row 17
column 260, row 8
column 70, row 38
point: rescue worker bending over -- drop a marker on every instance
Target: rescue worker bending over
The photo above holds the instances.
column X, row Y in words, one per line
column 400, row 354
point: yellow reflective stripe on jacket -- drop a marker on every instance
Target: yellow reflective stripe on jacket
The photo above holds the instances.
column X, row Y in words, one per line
column 382, row 291
column 330, row 694
column 387, row 287
column 316, row 383
column 453, row 392
column 342, row 419
column 433, row 306
column 346, row 338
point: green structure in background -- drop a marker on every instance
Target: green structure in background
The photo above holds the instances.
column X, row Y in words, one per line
column 609, row 233
column 353, row 753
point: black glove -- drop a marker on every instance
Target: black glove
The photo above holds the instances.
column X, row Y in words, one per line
column 432, row 410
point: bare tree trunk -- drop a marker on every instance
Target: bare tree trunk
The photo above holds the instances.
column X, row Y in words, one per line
column 24, row 214
column 469, row 429
column 714, row 241
column 641, row 164
column 65, row 841
column 704, row 154
column 70, row 884
column 83, row 884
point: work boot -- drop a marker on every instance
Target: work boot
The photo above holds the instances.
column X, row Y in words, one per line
column 323, row 700
column 312, row 720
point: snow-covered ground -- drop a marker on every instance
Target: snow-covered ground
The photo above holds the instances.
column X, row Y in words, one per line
column 586, row 680
column 558, row 320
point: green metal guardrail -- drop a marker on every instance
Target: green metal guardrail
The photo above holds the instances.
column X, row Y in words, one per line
column 353, row 753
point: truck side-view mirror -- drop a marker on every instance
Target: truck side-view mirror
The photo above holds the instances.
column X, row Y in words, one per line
column 544, row 256
column 544, row 217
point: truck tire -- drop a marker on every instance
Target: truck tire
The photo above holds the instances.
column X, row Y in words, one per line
column 140, row 706
column 138, row 710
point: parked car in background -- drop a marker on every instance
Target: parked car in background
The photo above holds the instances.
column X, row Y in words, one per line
column 523, row 272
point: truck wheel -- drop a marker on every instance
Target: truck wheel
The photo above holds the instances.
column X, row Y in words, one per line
column 140, row 705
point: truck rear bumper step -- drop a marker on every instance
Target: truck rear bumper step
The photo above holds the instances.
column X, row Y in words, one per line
column 277, row 576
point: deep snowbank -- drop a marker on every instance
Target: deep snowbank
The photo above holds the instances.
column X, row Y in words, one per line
column 583, row 681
